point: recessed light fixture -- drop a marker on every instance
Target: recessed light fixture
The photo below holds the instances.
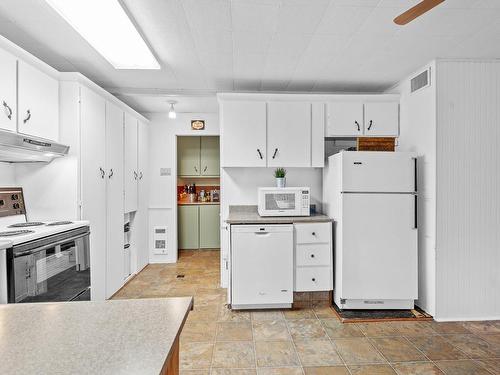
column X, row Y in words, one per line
column 106, row 27
column 171, row 111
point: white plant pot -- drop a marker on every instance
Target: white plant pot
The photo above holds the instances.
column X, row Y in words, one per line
column 281, row 182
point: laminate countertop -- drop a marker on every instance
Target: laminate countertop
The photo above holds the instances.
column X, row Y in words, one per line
column 108, row 337
column 250, row 215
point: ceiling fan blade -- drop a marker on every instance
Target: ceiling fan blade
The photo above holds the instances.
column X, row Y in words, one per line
column 416, row 11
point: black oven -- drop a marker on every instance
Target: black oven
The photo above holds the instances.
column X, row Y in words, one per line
column 55, row 268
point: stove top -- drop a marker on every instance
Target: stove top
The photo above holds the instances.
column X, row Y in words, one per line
column 11, row 233
column 55, row 223
column 27, row 224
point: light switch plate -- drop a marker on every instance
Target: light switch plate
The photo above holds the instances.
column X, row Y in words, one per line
column 165, row 171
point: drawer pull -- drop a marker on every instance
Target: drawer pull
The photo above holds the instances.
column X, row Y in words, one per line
column 313, row 233
column 313, row 279
column 312, row 255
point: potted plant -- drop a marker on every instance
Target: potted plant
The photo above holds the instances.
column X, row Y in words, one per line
column 279, row 174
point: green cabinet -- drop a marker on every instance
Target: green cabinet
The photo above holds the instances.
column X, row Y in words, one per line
column 198, row 227
column 209, row 227
column 198, row 156
column 188, row 227
column 209, row 156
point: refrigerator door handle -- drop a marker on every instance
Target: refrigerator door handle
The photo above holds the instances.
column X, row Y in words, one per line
column 415, row 173
column 415, row 218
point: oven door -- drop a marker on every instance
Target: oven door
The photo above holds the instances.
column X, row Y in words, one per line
column 54, row 272
column 280, row 203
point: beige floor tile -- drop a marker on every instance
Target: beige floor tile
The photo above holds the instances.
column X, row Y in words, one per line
column 331, row 370
column 325, row 312
column 377, row 329
column 275, row 354
column 267, row 315
column 204, row 313
column 280, row 371
column 410, row 329
column 486, row 327
column 233, row 354
column 357, row 351
column 306, row 328
column 194, row 372
column 473, row 346
column 195, row 355
column 492, row 365
column 492, row 339
column 437, row 348
column 447, row 328
column 234, row 331
column 299, row 314
column 397, row 349
column 233, row 371
column 420, row 368
column 461, row 368
column 227, row 315
column 371, row 370
column 336, row 329
column 198, row 331
column 270, row 330
column 317, row 353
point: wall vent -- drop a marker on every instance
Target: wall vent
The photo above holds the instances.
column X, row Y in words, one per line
column 422, row 80
column 160, row 240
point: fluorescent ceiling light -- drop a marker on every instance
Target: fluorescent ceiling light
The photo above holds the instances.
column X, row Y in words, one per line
column 106, row 27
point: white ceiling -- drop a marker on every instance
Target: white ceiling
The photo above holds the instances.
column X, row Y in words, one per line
column 206, row 46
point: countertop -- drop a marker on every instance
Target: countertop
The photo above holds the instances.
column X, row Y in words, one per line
column 5, row 244
column 249, row 215
column 188, row 203
column 108, row 337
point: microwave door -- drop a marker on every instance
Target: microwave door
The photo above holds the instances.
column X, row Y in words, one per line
column 280, row 204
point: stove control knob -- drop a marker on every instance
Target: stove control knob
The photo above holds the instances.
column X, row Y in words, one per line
column 14, row 197
column 1, row 202
column 16, row 206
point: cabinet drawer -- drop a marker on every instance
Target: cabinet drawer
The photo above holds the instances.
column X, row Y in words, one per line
column 313, row 233
column 313, row 255
column 310, row 279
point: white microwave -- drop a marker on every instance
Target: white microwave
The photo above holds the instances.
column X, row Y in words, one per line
column 290, row 201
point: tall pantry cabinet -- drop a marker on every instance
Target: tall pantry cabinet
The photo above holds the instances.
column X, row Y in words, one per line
column 94, row 127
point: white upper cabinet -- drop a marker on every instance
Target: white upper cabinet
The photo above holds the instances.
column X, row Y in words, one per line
column 363, row 118
column 289, row 134
column 8, row 91
column 382, row 119
column 243, row 134
column 38, row 103
column 130, row 164
column 345, row 119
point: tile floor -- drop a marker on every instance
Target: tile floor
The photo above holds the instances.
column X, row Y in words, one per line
column 218, row 341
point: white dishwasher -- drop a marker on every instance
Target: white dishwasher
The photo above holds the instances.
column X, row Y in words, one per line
column 261, row 266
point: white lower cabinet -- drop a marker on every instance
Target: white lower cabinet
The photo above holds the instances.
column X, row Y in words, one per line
column 313, row 257
column 261, row 266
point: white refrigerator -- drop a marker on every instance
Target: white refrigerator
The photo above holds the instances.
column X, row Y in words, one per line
column 372, row 196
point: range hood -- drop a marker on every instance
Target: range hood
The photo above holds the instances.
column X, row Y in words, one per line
column 20, row 148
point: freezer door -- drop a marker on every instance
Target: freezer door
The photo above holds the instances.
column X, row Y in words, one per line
column 379, row 246
column 378, row 172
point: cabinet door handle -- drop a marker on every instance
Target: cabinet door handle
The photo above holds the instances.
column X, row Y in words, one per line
column 357, row 124
column 260, row 154
column 370, row 126
column 28, row 116
column 103, row 173
column 313, row 233
column 275, row 152
column 140, row 176
column 111, row 173
column 8, row 110
column 205, row 169
column 312, row 255
column 313, row 279
column 135, row 175
column 196, row 169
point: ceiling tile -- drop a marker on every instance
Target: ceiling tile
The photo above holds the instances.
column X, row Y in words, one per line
column 343, row 20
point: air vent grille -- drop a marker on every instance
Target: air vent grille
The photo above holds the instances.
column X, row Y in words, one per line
column 420, row 81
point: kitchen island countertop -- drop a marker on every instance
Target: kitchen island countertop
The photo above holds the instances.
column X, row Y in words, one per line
column 250, row 215
column 108, row 337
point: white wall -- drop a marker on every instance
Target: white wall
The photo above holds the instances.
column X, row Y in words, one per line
column 163, row 133
column 418, row 134
column 468, row 190
column 7, row 175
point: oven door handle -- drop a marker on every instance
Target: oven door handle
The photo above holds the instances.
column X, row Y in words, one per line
column 52, row 244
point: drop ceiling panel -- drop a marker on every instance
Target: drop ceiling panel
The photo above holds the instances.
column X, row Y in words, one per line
column 297, row 45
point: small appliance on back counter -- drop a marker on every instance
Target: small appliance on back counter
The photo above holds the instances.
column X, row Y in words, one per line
column 288, row 201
